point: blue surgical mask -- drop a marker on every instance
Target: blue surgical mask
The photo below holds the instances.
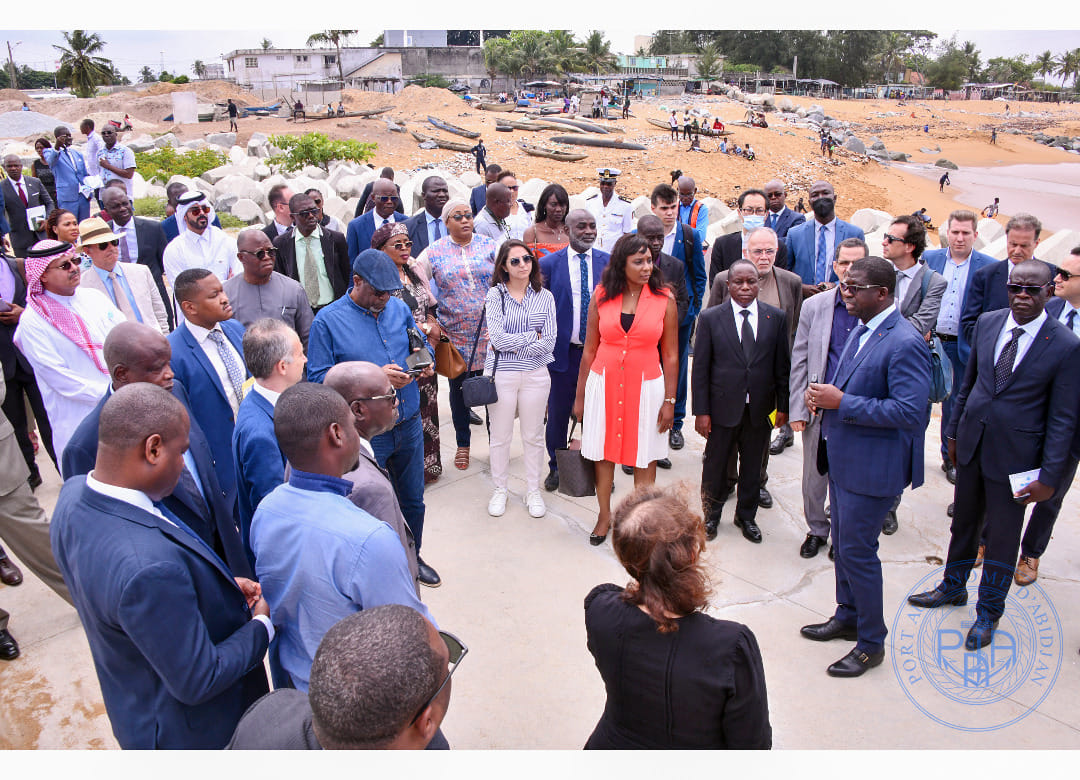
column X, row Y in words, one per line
column 753, row 222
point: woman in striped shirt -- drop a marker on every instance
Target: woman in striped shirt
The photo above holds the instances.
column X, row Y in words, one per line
column 521, row 327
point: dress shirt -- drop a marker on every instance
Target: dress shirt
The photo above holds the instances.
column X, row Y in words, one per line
column 301, row 242
column 873, row 324
column 210, row 349
column 7, row 281
column 513, row 333
column 669, row 239
column 339, row 561
column 702, row 220
column 281, row 228
column 213, row 250
column 843, row 323
column 952, row 303
column 485, row 224
column 281, row 298
column 94, row 147
column 119, row 157
column 903, row 282
column 573, row 263
column 128, row 237
column 1064, row 318
column 752, row 319
column 266, row 393
column 431, row 220
column 365, row 445
column 1027, row 338
column 830, row 245
column 107, row 282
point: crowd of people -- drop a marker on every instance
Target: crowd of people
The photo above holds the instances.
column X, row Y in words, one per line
column 247, row 425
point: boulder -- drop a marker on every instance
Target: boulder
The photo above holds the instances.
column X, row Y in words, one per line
column 528, row 191
column 243, row 188
column 140, row 143
column 155, row 191
column 877, row 145
column 224, row 140
column 577, row 202
column 186, row 181
column 350, row 209
column 729, row 223
column 314, row 172
column 899, row 156
column 336, row 207
column 927, row 150
column 194, row 144
column 214, row 175
column 139, row 187
column 853, row 144
column 248, row 211
column 800, row 112
column 237, row 155
column 783, row 103
column 641, row 207
column 717, row 209
column 225, row 203
column 258, row 145
column 989, row 230
column 869, row 220
column 471, row 179
column 949, row 164
column 165, row 140
column 349, row 187
column 1057, row 247
column 260, row 171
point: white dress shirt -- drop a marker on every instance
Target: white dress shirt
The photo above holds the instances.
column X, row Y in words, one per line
column 573, row 263
column 269, row 395
column 210, row 349
column 128, row 237
column 94, row 147
column 738, row 310
column 213, row 250
column 1064, row 318
column 903, row 282
column 1027, row 338
column 669, row 239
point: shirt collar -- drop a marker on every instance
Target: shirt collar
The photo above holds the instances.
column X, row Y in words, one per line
column 830, row 224
column 909, row 272
column 365, row 445
column 320, row 483
column 1032, row 328
column 752, row 308
column 200, row 333
column 127, row 495
column 67, row 300
column 431, row 217
column 880, row 317
column 266, row 393
column 316, row 233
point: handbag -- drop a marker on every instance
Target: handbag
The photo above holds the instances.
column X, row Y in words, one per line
column 448, row 361
column 480, row 390
column 577, row 474
column 941, row 368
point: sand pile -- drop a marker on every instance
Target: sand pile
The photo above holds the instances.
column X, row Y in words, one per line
column 433, row 100
column 13, row 94
column 19, row 124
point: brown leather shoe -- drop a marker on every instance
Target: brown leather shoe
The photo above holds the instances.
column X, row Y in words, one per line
column 1027, row 571
column 980, row 556
column 9, row 572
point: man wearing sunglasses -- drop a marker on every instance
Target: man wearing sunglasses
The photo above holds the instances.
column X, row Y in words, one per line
column 362, row 228
column 200, row 244
column 262, row 292
column 318, row 258
column 1016, row 414
column 373, row 670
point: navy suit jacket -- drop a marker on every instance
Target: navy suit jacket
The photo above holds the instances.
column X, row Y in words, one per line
column 260, row 464
column 361, row 229
column 875, row 438
column 694, row 260
column 788, row 220
column 418, row 233
column 209, row 405
column 555, row 273
column 1030, row 423
column 478, row 198
column 178, row 657
column 802, row 250
column 985, row 292
column 936, row 259
column 1054, row 307
column 81, row 453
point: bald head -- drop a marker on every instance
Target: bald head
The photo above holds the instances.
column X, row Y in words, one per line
column 581, row 225
column 355, row 379
column 136, row 412
column 138, row 353
column 499, row 200
column 252, row 240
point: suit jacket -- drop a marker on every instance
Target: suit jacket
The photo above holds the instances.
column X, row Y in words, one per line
column 361, row 205
column 68, row 176
column 787, row 220
column 209, row 404
column 673, row 274
column 260, row 464
column 335, row 259
column 1030, row 423
column 10, row 355
column 721, row 377
column 178, row 657
column 478, row 198
column 922, row 311
column 728, row 249
column 1054, row 307
column 270, row 231
column 22, row 237
column 418, row 232
column 147, row 298
column 687, row 248
column 151, row 237
column 172, row 230
column 360, row 231
column 555, row 273
column 875, row 438
column 985, row 292
column 802, row 249
column 936, row 259
column 788, row 287
column 810, row 353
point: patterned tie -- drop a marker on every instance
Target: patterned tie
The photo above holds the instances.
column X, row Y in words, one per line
column 1070, row 319
column 121, row 299
column 438, row 229
column 822, row 255
column 125, row 253
column 236, row 374
column 22, row 193
column 747, row 336
column 586, row 296
column 311, row 273
column 1004, row 366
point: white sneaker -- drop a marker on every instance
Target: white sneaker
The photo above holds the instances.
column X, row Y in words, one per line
column 497, row 504
column 535, row 501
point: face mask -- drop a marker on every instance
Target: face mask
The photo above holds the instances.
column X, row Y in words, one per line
column 823, row 207
column 753, row 222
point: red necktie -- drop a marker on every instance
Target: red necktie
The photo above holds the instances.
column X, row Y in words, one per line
column 22, row 193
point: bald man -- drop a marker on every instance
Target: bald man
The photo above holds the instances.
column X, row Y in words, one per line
column 260, row 291
column 177, row 640
column 780, row 218
column 692, row 211
column 492, row 220
column 20, row 194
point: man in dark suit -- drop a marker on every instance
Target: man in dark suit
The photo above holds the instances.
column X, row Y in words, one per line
column 478, row 196
column 208, row 358
column 1016, row 413
column 780, row 218
column 873, row 424
column 142, row 240
column 362, row 206
column 729, row 248
column 168, row 225
column 427, row 227
column 328, row 248
column 570, row 274
column 175, row 636
column 279, row 197
column 362, row 228
column 741, row 364
column 672, row 270
column 17, row 194
column 812, row 245
column 137, row 353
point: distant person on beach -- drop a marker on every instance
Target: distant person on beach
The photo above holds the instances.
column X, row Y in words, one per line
column 232, row 116
column 340, row 108
column 943, row 181
column 991, row 211
column 481, row 155
column 800, row 206
column 993, row 136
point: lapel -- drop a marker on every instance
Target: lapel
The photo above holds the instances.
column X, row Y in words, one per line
column 237, row 340
column 875, row 339
column 1044, row 339
column 727, row 329
column 914, row 288
column 204, row 361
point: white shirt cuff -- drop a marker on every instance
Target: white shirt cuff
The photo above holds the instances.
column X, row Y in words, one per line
column 269, row 626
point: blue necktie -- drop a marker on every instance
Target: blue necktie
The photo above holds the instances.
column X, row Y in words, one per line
column 236, row 374
column 773, row 220
column 172, row 518
column 438, row 229
column 822, row 256
column 1070, row 319
column 851, row 348
column 586, row 296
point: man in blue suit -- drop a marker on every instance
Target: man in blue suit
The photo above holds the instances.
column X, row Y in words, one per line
column 811, row 245
column 478, row 196
column 427, row 227
column 958, row 262
column 69, row 170
column 872, row 448
column 1016, row 413
column 780, row 218
column 571, row 279
column 362, row 228
column 175, row 636
column 208, row 358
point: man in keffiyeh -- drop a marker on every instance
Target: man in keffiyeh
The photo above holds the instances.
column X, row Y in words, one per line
column 61, row 333
column 199, row 244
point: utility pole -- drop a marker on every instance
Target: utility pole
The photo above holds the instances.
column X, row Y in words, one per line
column 162, row 63
column 11, row 66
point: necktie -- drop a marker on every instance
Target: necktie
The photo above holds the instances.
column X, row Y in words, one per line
column 586, row 296
column 22, row 193
column 1004, row 366
column 900, row 295
column 438, row 229
column 311, row 273
column 822, row 255
column 747, row 336
column 122, row 302
column 851, row 348
column 236, row 374
column 125, row 253
column 1070, row 319
column 773, row 220
column 187, row 481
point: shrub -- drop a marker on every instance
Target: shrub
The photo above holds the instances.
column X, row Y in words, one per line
column 166, row 162
column 229, row 221
column 181, row 79
column 150, row 207
column 317, row 149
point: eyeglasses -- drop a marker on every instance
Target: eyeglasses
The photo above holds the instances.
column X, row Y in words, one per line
column 262, row 254
column 383, row 198
column 67, row 265
column 762, row 252
column 893, row 239
column 199, row 208
column 401, row 245
column 1066, row 275
column 516, row 261
column 457, row 650
column 392, row 395
column 854, row 288
column 461, row 217
column 760, row 211
column 105, row 244
column 306, row 213
column 1030, row 289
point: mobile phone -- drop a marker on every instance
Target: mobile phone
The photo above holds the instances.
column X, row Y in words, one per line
column 4, row 305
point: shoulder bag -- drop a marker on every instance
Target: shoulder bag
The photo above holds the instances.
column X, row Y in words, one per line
column 941, row 368
column 480, row 390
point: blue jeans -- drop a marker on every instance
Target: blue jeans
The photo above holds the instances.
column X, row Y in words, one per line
column 958, row 378
column 401, row 452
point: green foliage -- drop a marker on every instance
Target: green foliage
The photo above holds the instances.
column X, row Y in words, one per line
column 317, row 149
column 266, row 43
column 165, row 76
column 150, row 207
column 709, row 66
column 146, row 75
column 229, row 221
column 429, row 80
column 27, row 78
column 378, row 42
column 335, row 38
column 81, row 64
column 199, row 69
column 166, row 162
column 742, row 67
column 181, row 79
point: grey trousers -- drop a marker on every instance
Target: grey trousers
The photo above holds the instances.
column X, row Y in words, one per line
column 815, row 486
column 25, row 530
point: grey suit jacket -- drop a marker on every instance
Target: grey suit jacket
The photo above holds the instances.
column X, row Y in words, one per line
column 22, row 237
column 810, row 355
column 143, row 288
column 788, row 287
column 922, row 312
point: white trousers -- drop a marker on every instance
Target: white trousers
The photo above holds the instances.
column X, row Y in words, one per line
column 524, row 394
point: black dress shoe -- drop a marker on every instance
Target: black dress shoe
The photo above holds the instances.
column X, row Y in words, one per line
column 832, row 553
column 9, row 572
column 828, row 511
column 34, row 480
column 750, row 531
column 628, row 470
column 551, row 482
column 764, row 499
column 891, row 524
column 663, row 463
column 596, row 539
column 675, row 439
column 950, row 509
column 855, row 663
column 427, row 575
column 474, row 418
column 950, row 475
column 830, row 629
column 938, row 598
column 811, row 546
column 980, row 634
column 780, row 444
column 9, row 648
column 711, row 528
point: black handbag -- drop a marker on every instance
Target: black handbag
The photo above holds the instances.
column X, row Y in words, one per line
column 577, row 474
column 480, row 390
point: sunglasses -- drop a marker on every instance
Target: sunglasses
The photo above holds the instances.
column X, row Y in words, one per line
column 67, row 265
column 306, row 213
column 401, row 245
column 199, row 209
column 457, row 650
column 853, row 288
column 262, row 254
column 383, row 198
column 893, row 239
column 392, row 395
column 461, row 217
column 105, row 244
column 1065, row 275
column 516, row 261
column 1030, row 289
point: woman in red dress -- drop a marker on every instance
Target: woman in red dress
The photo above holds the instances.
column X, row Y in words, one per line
column 625, row 400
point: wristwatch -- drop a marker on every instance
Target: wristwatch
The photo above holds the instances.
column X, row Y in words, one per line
column 669, row 401
column 426, row 327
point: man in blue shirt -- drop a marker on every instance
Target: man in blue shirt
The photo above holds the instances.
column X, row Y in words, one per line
column 318, row 556
column 369, row 324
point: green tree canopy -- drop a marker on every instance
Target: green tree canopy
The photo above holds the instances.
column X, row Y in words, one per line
column 333, row 38
column 81, row 63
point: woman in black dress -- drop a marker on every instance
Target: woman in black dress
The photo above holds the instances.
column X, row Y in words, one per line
column 40, row 169
column 675, row 677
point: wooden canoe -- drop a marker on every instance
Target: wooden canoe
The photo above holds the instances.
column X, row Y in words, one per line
column 504, row 107
column 703, row 130
column 551, row 154
column 452, row 128
column 442, row 143
column 588, row 140
column 587, row 127
column 534, row 125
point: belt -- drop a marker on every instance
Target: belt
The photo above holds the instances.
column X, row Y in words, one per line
column 576, row 346
column 947, row 337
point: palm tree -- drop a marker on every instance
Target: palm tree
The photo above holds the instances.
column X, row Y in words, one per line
column 530, row 55
column 497, row 59
column 563, row 51
column 893, row 46
column 972, row 60
column 597, row 56
column 334, row 38
column 1044, row 63
column 199, row 69
column 708, row 65
column 266, row 44
column 146, row 75
column 80, row 63
column 1068, row 64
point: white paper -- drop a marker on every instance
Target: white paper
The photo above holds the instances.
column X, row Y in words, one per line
column 1021, row 480
column 32, row 213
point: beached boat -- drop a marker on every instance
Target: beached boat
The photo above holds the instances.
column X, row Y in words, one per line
column 551, row 154
column 504, row 107
column 350, row 114
column 452, row 128
column 588, row 140
column 702, row 131
column 533, row 125
column 442, row 143
column 582, row 125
